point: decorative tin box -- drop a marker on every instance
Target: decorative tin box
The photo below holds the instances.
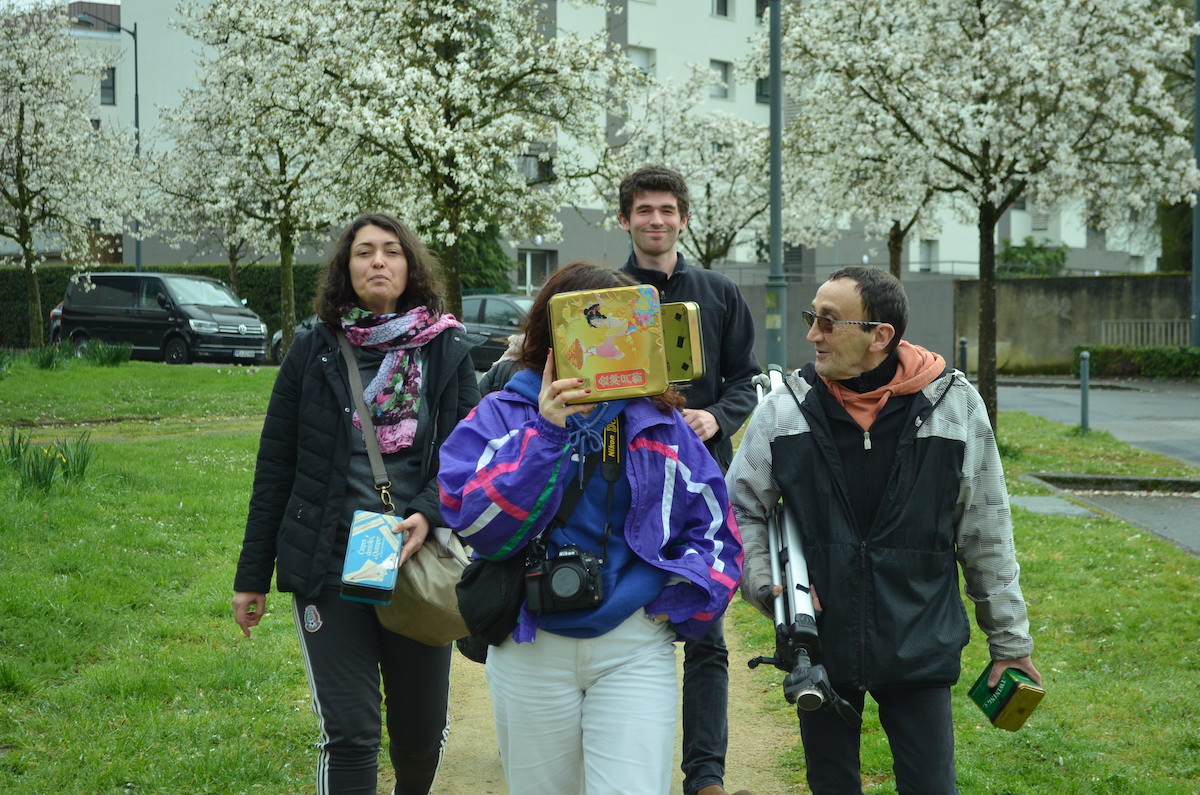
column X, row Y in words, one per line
column 1009, row 703
column 612, row 339
column 682, row 340
column 372, row 558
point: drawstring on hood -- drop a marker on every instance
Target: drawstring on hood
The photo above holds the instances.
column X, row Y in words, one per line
column 585, row 435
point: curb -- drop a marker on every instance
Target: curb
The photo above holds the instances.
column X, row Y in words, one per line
column 1074, row 481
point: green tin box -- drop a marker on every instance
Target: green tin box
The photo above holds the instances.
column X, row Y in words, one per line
column 1009, row 703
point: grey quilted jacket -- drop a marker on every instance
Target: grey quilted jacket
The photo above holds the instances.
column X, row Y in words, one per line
column 893, row 612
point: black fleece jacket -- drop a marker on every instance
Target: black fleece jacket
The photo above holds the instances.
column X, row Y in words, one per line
column 296, row 515
column 727, row 329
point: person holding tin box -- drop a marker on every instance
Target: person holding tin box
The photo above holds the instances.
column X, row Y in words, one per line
column 585, row 689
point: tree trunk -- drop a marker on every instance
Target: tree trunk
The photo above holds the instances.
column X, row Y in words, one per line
column 33, row 298
column 451, row 258
column 231, row 253
column 987, row 309
column 287, row 286
column 895, row 245
column 1175, row 229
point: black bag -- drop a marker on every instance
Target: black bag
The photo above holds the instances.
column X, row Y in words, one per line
column 490, row 594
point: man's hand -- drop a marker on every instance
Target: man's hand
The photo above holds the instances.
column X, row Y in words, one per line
column 765, row 596
column 1022, row 664
column 702, row 422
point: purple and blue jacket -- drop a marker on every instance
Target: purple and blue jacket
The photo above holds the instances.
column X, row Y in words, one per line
column 503, row 471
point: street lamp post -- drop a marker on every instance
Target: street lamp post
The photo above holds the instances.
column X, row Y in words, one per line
column 1196, row 208
column 776, row 293
column 137, row 123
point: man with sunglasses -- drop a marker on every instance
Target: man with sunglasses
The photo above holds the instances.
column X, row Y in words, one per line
column 654, row 209
column 885, row 459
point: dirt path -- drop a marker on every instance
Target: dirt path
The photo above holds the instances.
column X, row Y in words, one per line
column 758, row 735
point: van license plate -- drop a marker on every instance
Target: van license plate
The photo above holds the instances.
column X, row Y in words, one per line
column 240, row 354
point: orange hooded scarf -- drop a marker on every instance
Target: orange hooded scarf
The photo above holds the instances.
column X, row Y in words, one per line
column 916, row 369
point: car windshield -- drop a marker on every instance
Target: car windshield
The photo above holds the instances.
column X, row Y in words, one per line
column 199, row 292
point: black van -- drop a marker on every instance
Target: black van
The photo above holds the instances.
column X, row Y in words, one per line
column 171, row 317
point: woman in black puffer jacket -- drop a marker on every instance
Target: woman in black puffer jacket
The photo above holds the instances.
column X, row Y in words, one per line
column 382, row 291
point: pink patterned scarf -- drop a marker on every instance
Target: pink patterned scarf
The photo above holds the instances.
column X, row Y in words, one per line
column 394, row 394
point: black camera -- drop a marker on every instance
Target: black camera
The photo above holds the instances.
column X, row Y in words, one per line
column 568, row 581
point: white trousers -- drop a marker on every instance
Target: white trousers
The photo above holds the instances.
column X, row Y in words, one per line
column 594, row 716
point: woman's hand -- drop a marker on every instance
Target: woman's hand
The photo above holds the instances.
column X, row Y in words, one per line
column 552, row 400
column 248, row 609
column 416, row 530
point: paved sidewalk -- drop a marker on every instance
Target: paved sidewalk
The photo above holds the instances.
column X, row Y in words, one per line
column 1161, row 416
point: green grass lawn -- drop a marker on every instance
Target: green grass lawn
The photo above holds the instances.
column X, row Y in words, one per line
column 121, row 670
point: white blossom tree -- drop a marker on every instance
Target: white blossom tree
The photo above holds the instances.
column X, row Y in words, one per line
column 857, row 173
column 253, row 174
column 197, row 201
column 63, row 183
column 724, row 158
column 1059, row 101
column 1174, row 219
column 445, row 97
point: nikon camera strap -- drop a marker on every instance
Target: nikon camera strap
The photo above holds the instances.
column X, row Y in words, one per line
column 611, row 469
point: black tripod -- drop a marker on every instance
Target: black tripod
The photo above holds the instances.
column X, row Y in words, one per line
column 797, row 645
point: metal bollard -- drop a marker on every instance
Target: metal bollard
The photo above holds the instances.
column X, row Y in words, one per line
column 962, row 354
column 1084, row 368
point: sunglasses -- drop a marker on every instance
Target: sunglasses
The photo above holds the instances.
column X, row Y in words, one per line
column 826, row 324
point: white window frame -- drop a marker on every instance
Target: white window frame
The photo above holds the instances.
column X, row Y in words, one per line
column 723, row 71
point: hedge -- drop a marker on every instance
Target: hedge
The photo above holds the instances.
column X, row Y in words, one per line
column 1116, row 361
column 258, row 284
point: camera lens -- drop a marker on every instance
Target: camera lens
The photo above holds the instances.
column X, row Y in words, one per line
column 566, row 582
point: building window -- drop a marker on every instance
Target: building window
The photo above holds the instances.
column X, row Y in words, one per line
column 108, row 86
column 762, row 91
column 929, row 255
column 723, row 72
column 534, row 168
column 642, row 58
column 535, row 266
column 720, row 8
column 760, row 9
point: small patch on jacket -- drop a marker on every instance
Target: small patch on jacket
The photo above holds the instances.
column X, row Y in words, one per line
column 312, row 619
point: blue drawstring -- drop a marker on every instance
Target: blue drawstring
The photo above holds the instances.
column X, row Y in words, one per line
column 585, row 435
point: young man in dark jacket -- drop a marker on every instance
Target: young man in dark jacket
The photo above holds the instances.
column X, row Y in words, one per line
column 885, row 459
column 654, row 209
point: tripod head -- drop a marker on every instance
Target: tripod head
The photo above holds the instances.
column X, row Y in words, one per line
column 807, row 683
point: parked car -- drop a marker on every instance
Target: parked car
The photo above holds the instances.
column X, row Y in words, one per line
column 56, row 323
column 171, row 317
column 494, row 318
column 277, row 337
